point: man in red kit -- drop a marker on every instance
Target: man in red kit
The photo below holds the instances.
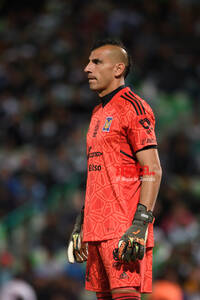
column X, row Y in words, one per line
column 114, row 231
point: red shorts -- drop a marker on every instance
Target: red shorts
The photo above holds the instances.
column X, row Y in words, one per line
column 103, row 273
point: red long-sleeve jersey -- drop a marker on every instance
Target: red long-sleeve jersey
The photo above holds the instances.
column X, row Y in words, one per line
column 120, row 126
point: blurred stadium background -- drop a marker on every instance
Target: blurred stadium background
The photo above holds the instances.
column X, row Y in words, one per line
column 45, row 107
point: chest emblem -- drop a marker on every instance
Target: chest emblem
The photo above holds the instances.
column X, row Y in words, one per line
column 107, row 124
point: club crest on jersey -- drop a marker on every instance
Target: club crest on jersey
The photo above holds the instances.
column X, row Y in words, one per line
column 107, row 124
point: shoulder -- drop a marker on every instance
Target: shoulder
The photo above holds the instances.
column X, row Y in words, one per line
column 133, row 103
column 96, row 109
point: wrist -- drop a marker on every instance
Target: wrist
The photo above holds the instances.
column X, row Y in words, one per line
column 82, row 214
column 79, row 221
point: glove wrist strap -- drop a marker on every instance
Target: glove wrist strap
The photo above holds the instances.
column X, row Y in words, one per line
column 142, row 214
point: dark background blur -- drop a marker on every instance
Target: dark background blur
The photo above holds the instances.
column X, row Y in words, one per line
column 45, row 108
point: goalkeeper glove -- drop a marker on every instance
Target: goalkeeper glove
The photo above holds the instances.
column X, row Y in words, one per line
column 132, row 244
column 77, row 251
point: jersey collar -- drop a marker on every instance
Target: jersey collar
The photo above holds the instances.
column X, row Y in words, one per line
column 108, row 97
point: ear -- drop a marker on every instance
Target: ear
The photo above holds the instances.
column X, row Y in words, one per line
column 119, row 69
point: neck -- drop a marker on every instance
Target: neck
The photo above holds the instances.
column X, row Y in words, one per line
column 112, row 87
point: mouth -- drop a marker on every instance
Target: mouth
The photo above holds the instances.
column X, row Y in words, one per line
column 91, row 78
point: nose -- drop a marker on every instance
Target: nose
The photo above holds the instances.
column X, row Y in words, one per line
column 87, row 68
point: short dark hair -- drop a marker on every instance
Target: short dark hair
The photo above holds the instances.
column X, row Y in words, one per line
column 115, row 42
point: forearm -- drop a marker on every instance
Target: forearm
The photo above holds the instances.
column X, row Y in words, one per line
column 133, row 242
column 151, row 177
column 150, row 187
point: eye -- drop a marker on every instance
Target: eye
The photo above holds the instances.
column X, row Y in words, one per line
column 96, row 61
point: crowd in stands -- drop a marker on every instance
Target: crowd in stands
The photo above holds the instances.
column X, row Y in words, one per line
column 45, row 108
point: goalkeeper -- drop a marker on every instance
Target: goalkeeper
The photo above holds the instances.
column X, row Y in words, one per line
column 114, row 231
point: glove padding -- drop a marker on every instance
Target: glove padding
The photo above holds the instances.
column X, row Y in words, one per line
column 77, row 251
column 132, row 244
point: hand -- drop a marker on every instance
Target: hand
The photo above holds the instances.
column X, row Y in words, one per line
column 77, row 251
column 132, row 244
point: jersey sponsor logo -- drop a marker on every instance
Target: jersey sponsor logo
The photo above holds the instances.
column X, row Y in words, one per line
column 145, row 123
column 123, row 276
column 93, row 154
column 106, row 127
column 93, row 167
column 96, row 129
column 147, row 141
column 89, row 149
